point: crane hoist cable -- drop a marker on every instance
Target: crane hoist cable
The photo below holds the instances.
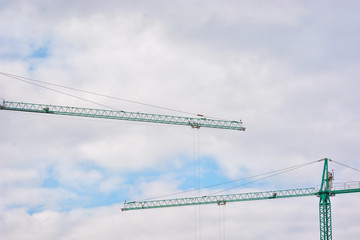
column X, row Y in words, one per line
column 197, row 181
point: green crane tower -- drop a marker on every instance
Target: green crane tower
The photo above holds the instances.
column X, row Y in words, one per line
column 324, row 193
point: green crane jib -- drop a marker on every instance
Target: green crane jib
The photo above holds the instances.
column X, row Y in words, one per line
column 122, row 115
column 219, row 199
column 323, row 193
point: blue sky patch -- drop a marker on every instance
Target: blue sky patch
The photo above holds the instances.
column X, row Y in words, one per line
column 209, row 176
column 41, row 52
column 51, row 180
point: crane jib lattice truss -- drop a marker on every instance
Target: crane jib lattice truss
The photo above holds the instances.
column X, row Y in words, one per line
column 122, row 115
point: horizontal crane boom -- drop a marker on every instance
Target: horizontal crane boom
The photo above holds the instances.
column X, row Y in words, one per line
column 334, row 192
column 220, row 199
column 121, row 115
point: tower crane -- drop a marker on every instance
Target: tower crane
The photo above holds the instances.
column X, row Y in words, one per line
column 324, row 193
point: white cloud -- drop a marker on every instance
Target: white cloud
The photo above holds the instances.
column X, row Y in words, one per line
column 111, row 184
column 78, row 178
column 287, row 69
column 10, row 176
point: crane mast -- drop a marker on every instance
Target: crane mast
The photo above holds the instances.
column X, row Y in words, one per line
column 122, row 115
column 325, row 204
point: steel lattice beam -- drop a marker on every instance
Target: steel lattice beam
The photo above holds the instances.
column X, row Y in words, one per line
column 122, row 115
column 219, row 199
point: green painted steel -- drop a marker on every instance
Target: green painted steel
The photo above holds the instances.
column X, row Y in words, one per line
column 333, row 192
column 325, row 217
column 325, row 204
column 122, row 115
column 220, row 199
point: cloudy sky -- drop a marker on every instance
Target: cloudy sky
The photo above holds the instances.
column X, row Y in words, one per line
column 288, row 69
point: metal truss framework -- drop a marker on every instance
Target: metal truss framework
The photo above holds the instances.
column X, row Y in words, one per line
column 122, row 115
column 219, row 199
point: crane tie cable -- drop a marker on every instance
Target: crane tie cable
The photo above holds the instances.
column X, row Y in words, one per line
column 346, row 166
column 277, row 172
column 31, row 81
column 68, row 94
column 272, row 175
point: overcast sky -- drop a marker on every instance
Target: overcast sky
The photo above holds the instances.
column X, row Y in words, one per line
column 288, row 69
